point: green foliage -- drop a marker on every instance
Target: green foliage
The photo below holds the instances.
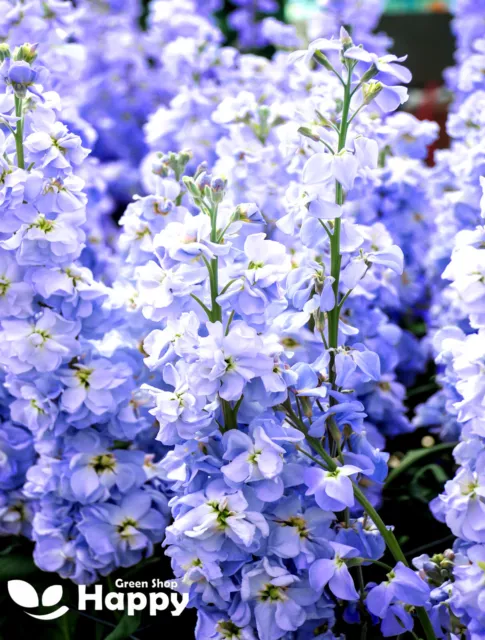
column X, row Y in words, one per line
column 125, row 628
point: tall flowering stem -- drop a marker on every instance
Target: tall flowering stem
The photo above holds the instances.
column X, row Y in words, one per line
column 335, row 255
column 333, row 314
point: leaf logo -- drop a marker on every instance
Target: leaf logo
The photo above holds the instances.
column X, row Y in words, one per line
column 24, row 594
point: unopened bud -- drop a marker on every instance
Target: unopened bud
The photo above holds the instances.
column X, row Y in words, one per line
column 202, row 168
column 27, row 52
column 218, row 184
column 4, row 51
column 203, row 180
column 322, row 59
column 308, row 133
column 192, row 188
column 371, row 91
column 323, row 121
column 334, row 430
column 185, row 156
column 345, row 39
column 306, row 405
column 371, row 72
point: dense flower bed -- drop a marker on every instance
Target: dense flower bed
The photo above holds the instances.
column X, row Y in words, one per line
column 220, row 372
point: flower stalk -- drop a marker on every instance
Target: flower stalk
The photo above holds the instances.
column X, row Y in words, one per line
column 19, row 132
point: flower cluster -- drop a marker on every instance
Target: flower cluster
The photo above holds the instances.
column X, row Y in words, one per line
column 255, row 375
column 73, row 476
column 456, row 411
column 219, row 375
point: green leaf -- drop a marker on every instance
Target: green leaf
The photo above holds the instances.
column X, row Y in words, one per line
column 422, row 491
column 414, row 456
column 16, row 566
column 126, row 626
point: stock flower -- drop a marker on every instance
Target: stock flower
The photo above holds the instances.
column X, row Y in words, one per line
column 332, row 489
column 94, row 474
column 335, row 573
column 403, row 584
column 212, row 519
column 127, row 530
column 258, row 460
column 92, row 384
column 180, row 414
column 385, row 64
column 226, row 362
column 280, row 601
column 44, row 343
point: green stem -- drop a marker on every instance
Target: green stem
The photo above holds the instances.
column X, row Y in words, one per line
column 111, row 587
column 206, row 309
column 231, row 318
column 64, row 623
column 214, row 285
column 214, row 270
column 431, row 386
column 335, row 255
column 389, row 537
column 230, row 421
column 227, row 412
column 378, row 563
column 19, row 133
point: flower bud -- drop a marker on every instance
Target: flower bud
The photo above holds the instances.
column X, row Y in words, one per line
column 202, row 168
column 322, row 59
column 4, row 51
column 371, row 72
column 371, row 91
column 27, row 52
column 308, row 133
column 334, row 430
column 203, row 180
column 21, row 76
column 345, row 39
column 192, row 188
column 218, row 184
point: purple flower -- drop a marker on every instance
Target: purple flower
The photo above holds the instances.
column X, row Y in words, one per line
column 43, row 344
column 127, row 530
column 385, row 64
column 93, row 384
column 306, row 55
column 227, row 362
column 335, row 573
column 332, row 489
column 212, row 519
column 279, row 601
column 21, row 76
column 95, row 474
column 258, row 460
column 299, row 533
column 403, row 585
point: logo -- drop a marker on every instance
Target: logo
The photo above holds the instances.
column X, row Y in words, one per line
column 24, row 594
